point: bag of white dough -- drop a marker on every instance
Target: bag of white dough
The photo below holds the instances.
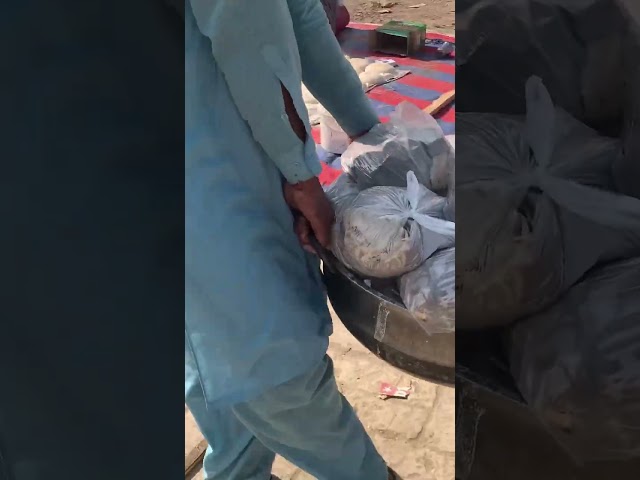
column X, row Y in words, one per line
column 429, row 293
column 532, row 191
column 577, row 363
column 412, row 141
column 388, row 231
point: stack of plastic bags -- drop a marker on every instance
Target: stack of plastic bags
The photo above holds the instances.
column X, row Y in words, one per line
column 393, row 206
column 550, row 195
column 552, row 252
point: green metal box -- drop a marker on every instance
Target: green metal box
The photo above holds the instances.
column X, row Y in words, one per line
column 398, row 38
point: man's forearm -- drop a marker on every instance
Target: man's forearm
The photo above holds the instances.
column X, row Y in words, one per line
column 325, row 71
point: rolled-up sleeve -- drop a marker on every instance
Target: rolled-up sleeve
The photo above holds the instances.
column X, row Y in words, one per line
column 253, row 43
column 325, row 71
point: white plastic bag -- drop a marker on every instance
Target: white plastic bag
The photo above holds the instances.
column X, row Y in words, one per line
column 429, row 293
column 413, row 141
column 532, row 192
column 388, row 231
column 577, row 364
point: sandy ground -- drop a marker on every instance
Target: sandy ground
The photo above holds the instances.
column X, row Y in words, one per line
column 415, row 436
column 439, row 15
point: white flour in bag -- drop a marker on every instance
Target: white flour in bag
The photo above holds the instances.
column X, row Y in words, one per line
column 388, row 231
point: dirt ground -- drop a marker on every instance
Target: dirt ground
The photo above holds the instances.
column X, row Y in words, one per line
column 416, row 436
column 439, row 15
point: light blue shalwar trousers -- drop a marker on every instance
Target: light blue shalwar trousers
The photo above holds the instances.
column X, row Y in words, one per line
column 258, row 380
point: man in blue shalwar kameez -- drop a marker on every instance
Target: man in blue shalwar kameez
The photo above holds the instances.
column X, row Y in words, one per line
column 258, row 380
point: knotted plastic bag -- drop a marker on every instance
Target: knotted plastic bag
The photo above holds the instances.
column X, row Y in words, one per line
column 429, row 294
column 577, row 364
column 537, row 212
column 413, row 141
column 388, row 231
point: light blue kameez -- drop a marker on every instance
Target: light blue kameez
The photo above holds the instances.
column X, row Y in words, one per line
column 257, row 324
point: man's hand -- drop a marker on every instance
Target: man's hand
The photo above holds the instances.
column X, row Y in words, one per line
column 303, row 230
column 314, row 212
column 310, row 205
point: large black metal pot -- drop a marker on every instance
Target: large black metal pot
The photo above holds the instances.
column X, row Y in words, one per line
column 385, row 327
column 491, row 416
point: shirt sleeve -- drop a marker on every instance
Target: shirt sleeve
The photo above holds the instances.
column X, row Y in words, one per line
column 254, row 45
column 326, row 73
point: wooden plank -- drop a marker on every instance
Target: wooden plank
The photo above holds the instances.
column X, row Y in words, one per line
column 441, row 102
column 195, row 457
column 195, row 445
